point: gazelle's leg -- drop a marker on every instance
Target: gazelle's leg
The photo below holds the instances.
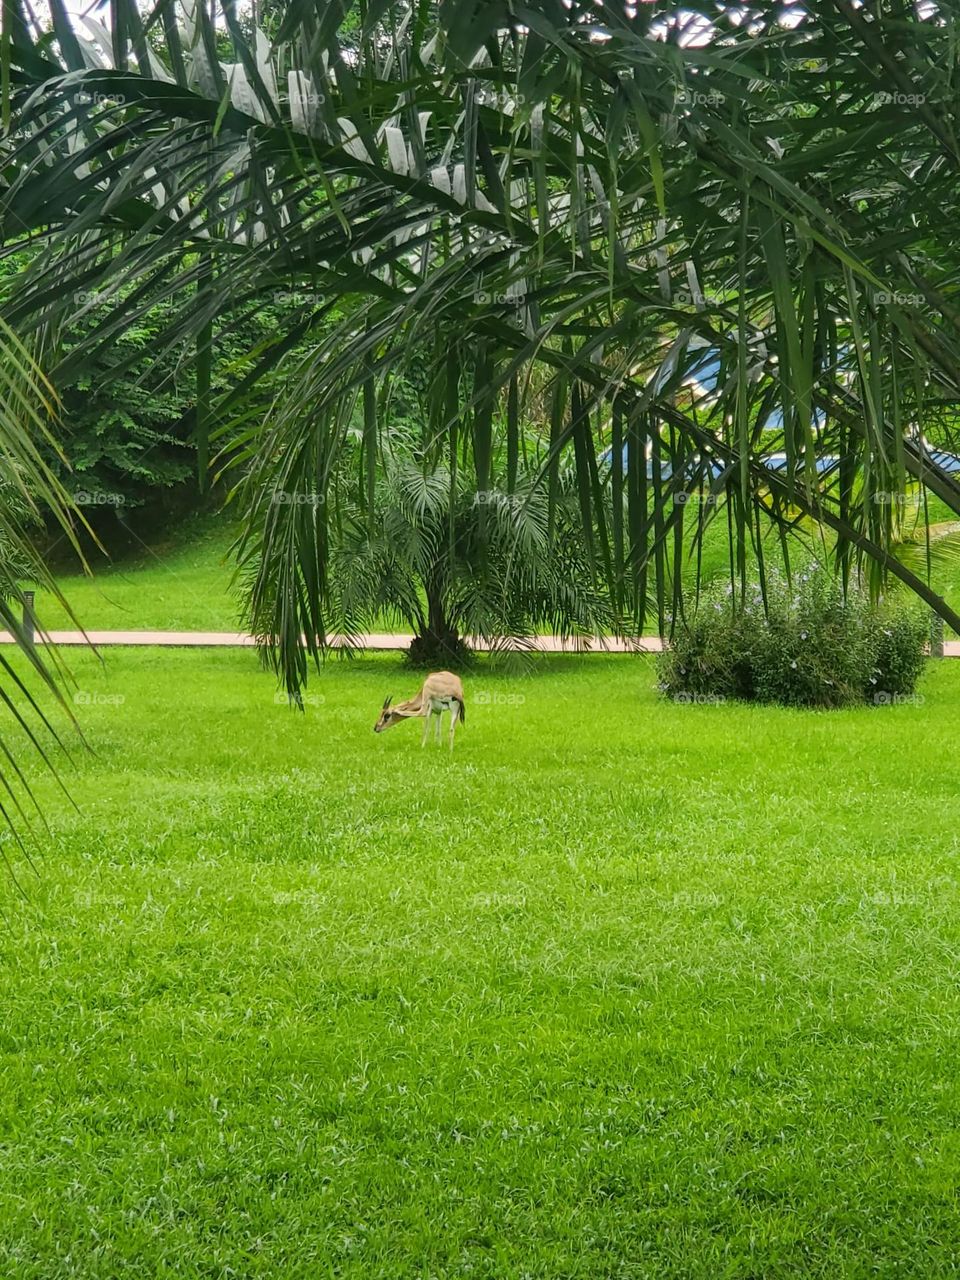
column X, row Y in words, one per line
column 426, row 729
column 454, row 717
column 439, row 724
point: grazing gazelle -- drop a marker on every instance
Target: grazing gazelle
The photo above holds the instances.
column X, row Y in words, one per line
column 441, row 691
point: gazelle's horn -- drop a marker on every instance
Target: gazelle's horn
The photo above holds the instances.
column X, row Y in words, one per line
column 387, row 702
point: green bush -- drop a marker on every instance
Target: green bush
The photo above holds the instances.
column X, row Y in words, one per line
column 808, row 645
column 900, row 655
column 711, row 656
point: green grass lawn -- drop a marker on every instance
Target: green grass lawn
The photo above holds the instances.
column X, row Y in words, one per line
column 183, row 581
column 620, row 989
column 178, row 583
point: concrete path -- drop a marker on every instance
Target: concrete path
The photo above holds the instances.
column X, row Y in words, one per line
column 380, row 640
column 237, row 640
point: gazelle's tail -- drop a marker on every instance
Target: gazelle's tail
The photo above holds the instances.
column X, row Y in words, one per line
column 463, row 711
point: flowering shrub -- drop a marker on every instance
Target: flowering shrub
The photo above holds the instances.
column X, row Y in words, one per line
column 811, row 646
column 900, row 656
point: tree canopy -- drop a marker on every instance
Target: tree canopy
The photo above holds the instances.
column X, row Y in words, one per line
column 700, row 235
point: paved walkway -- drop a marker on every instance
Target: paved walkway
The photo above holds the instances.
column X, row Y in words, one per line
column 379, row 640
column 383, row 640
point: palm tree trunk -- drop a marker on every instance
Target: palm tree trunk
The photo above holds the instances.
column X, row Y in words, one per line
column 439, row 629
column 438, row 644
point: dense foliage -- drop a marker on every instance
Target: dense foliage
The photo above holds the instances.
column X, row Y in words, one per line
column 809, row 644
column 130, row 409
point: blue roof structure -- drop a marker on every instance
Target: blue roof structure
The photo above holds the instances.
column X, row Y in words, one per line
column 944, row 461
column 714, row 470
column 823, row 465
column 777, row 462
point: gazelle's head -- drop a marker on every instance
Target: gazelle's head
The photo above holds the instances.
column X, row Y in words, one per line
column 387, row 717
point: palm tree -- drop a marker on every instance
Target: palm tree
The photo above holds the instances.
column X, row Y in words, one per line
column 700, row 234
column 29, row 492
column 495, row 564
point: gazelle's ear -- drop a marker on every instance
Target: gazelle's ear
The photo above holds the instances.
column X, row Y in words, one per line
column 387, row 702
